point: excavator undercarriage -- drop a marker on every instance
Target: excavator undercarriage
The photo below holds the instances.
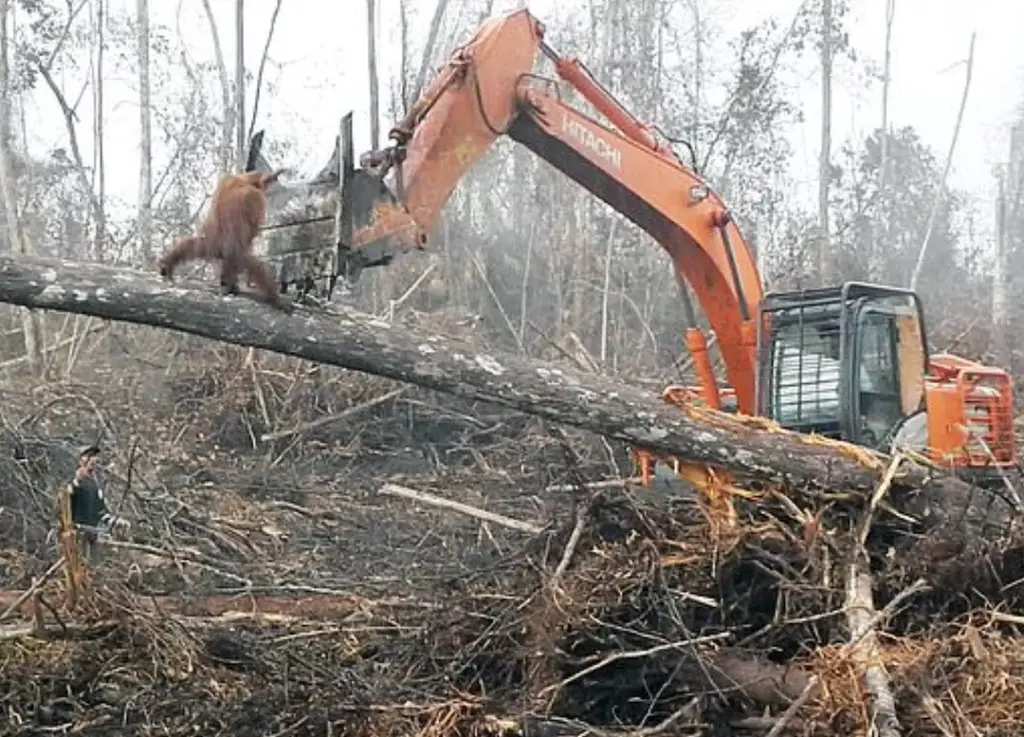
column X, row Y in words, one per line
column 847, row 363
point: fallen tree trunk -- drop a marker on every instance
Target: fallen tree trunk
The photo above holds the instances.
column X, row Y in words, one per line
column 952, row 516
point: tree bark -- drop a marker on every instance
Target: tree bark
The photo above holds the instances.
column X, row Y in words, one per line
column 371, row 70
column 227, row 125
column 999, row 280
column 954, row 518
column 428, row 50
column 99, row 165
column 259, row 74
column 825, row 156
column 146, row 135
column 31, row 326
column 880, row 230
column 240, row 142
column 403, row 61
column 81, row 170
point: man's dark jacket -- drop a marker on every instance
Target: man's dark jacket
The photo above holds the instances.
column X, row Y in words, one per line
column 87, row 505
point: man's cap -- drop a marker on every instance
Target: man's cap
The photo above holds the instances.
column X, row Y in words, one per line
column 87, row 451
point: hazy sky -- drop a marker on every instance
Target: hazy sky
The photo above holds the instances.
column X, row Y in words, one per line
column 320, row 58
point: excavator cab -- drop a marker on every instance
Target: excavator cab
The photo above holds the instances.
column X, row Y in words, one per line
column 847, row 362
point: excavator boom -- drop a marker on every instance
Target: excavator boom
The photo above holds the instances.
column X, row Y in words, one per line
column 488, row 89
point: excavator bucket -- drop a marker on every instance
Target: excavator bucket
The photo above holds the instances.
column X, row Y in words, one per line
column 332, row 226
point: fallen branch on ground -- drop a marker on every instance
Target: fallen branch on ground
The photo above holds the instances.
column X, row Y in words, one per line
column 436, row 501
column 864, row 646
column 596, row 485
column 321, row 421
column 31, row 590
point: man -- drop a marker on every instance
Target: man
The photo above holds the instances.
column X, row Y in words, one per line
column 88, row 509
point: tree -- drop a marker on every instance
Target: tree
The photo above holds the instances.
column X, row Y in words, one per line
column 824, row 156
column 227, row 128
column 99, row 166
column 240, row 116
column 1009, row 261
column 890, row 14
column 750, row 148
column 428, row 51
column 371, row 70
column 938, row 511
column 30, row 325
column 878, row 232
column 820, row 25
column 937, row 202
column 145, row 133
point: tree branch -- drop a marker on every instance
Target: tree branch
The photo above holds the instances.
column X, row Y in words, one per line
column 263, row 64
column 76, row 152
column 225, row 90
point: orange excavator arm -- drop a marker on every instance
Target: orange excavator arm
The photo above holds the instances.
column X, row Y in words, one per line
column 488, row 89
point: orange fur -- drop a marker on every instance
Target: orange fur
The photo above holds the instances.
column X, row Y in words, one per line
column 227, row 234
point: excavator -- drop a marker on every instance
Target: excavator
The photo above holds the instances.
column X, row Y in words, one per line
column 849, row 362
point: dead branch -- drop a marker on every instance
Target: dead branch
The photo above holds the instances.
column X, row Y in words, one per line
column 31, row 591
column 338, row 417
column 436, row 501
column 864, row 645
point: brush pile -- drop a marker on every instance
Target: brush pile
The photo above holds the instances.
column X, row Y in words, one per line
column 633, row 616
column 267, row 597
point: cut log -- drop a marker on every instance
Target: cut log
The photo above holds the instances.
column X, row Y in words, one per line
column 953, row 517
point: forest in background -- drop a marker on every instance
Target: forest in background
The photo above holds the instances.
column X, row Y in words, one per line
column 520, row 245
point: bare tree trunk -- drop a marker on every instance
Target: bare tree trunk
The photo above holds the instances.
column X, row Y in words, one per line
column 146, row 135
column 941, row 184
column 371, row 66
column 240, row 84
column 101, row 174
column 824, row 159
column 81, row 171
column 1004, row 277
column 428, row 48
column 259, row 73
column 999, row 272
column 698, row 69
column 609, row 245
column 30, row 323
column 938, row 519
column 883, row 164
column 225, row 91
column 403, row 71
column 883, row 169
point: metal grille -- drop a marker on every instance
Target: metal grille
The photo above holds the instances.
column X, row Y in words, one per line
column 806, row 386
column 802, row 383
column 988, row 401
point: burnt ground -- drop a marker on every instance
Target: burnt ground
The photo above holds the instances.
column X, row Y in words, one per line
column 381, row 615
column 310, row 509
